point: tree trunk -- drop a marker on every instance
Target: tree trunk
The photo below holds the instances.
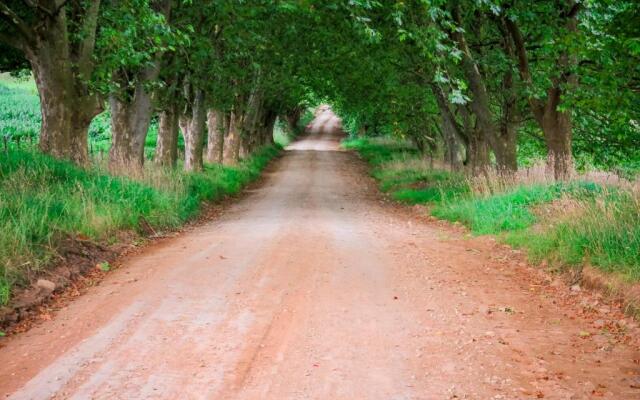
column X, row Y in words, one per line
column 252, row 123
column 216, row 131
column 481, row 106
column 231, row 153
column 267, row 129
column 246, row 146
column 193, row 130
column 66, row 106
column 167, row 145
column 556, row 124
column 477, row 161
column 505, row 150
column 478, row 153
column 130, row 122
column 293, row 118
column 60, row 67
column 557, row 129
column 453, row 138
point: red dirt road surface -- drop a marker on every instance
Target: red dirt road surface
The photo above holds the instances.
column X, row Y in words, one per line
column 313, row 287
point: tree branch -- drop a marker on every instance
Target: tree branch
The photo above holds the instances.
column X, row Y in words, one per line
column 523, row 64
column 89, row 28
column 573, row 11
column 59, row 7
column 39, row 7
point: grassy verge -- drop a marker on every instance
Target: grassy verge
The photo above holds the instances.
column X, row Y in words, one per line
column 43, row 200
column 569, row 224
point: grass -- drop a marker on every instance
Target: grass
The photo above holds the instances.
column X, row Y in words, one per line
column 20, row 119
column 511, row 210
column 19, row 108
column 585, row 221
column 400, row 172
column 42, row 200
column 602, row 230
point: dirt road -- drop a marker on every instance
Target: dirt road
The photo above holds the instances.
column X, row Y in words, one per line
column 311, row 287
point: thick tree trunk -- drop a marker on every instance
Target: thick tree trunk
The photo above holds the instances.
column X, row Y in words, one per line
column 231, row 153
column 478, row 153
column 193, row 127
column 266, row 135
column 481, row 106
column 453, row 149
column 167, row 145
column 129, row 127
column 505, row 150
column 555, row 123
column 60, row 67
column 66, row 106
column 130, row 120
column 557, row 129
column 477, row 161
column 252, row 125
column 216, row 133
column 246, row 146
column 293, row 118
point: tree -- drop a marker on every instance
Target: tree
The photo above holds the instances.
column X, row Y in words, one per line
column 58, row 38
column 557, row 73
column 133, row 62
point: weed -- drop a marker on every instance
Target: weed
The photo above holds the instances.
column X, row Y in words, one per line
column 5, row 291
column 104, row 266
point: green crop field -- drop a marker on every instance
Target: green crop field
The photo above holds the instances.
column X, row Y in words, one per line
column 20, row 119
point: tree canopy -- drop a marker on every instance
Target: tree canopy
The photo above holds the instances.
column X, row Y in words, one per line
column 483, row 84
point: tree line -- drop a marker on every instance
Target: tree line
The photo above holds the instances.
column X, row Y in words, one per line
column 470, row 81
column 215, row 71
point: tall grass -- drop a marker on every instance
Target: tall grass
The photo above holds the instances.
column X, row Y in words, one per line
column 43, row 200
column 593, row 219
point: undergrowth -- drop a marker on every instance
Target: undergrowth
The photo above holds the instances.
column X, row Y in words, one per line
column 43, row 200
column 589, row 223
